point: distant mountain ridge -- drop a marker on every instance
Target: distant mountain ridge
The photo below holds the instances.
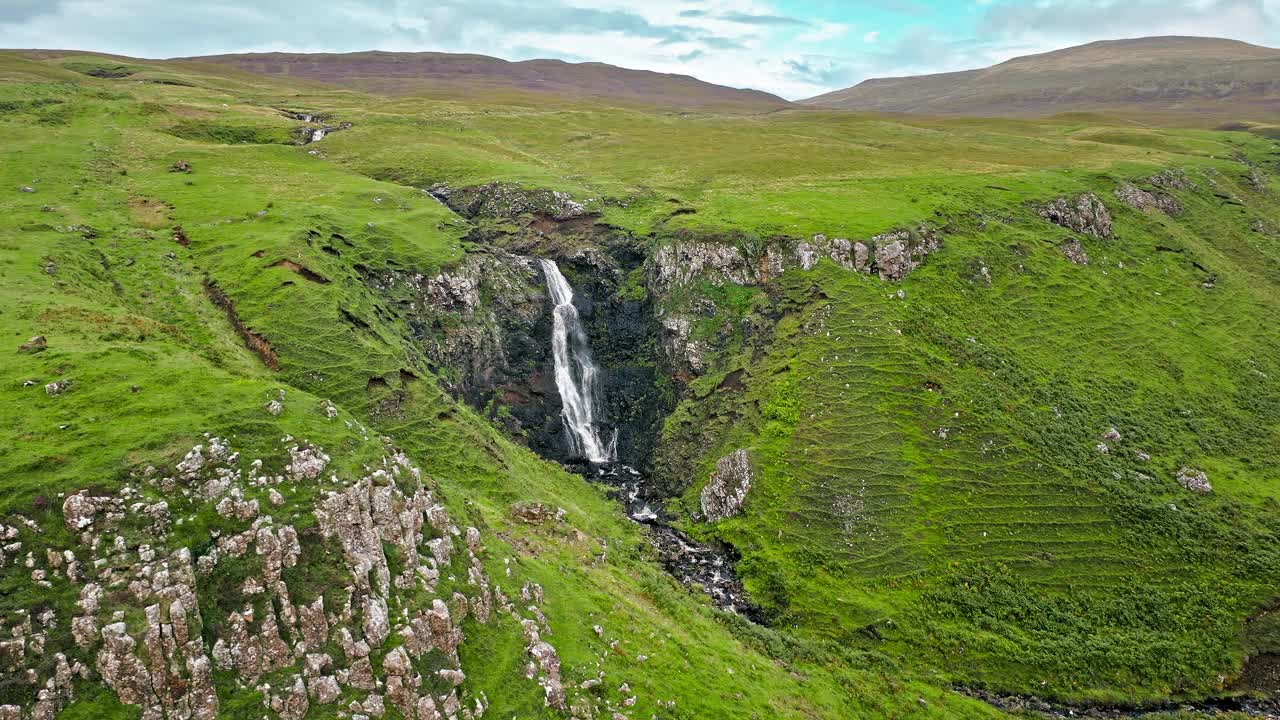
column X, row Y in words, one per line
column 1174, row 74
column 447, row 73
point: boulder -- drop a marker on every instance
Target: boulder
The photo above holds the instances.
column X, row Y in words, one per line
column 1194, row 480
column 36, row 344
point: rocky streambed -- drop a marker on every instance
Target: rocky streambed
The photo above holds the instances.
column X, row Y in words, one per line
column 693, row 563
column 1025, row 705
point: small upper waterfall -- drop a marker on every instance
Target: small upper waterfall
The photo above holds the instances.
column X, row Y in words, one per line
column 576, row 372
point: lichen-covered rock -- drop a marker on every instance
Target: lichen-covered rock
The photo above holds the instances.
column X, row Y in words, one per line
column 1172, row 179
column 1194, row 480
column 1139, row 199
column 158, row 660
column 306, row 462
column 683, row 354
column 899, row 252
column 726, row 491
column 839, row 250
column 1084, row 214
column 681, row 263
column 1075, row 252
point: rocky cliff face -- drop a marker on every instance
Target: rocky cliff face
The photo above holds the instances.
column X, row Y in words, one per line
column 485, row 324
column 679, row 265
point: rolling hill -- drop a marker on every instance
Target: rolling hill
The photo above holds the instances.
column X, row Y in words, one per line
column 934, row 417
column 468, row 75
column 1221, row 78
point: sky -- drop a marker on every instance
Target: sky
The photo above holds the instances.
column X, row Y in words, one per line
column 794, row 48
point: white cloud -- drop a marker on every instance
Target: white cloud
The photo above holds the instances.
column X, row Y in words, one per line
column 871, row 37
column 824, row 32
column 1066, row 22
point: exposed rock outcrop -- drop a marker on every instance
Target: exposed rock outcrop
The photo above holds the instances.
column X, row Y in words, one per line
column 898, row 253
column 891, row 255
column 1194, row 480
column 143, row 606
column 684, row 354
column 1084, row 214
column 1172, row 179
column 508, row 200
column 1139, row 199
column 726, row 490
column 479, row 318
column 1075, row 252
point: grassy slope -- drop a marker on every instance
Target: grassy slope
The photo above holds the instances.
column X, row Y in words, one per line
column 1008, row 554
column 119, row 311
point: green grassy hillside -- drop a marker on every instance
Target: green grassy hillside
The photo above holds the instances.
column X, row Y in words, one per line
column 929, row 507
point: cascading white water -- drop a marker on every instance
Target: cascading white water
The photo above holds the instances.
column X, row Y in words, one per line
column 576, row 372
column 318, row 134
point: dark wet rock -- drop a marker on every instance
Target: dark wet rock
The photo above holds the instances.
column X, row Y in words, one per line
column 704, row 566
column 1084, row 214
column 1030, row 706
column 36, row 344
column 726, row 490
column 304, row 135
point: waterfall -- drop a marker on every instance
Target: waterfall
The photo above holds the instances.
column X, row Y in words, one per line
column 318, row 134
column 576, row 372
